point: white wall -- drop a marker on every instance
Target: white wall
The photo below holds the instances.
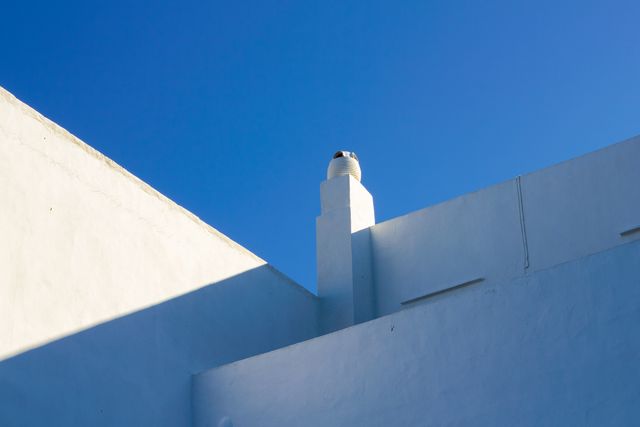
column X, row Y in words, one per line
column 136, row 370
column 343, row 262
column 556, row 348
column 120, row 295
column 548, row 217
column 470, row 237
column 581, row 206
column 85, row 243
column 546, row 337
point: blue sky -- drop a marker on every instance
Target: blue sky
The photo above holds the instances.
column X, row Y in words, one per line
column 233, row 109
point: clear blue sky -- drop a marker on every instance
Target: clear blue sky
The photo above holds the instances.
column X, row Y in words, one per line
column 233, row 109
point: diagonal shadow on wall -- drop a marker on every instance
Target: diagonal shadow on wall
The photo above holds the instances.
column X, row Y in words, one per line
column 136, row 369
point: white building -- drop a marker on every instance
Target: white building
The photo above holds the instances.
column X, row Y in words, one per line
column 518, row 304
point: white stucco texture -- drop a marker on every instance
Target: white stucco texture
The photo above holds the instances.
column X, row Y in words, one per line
column 470, row 237
column 514, row 305
column 84, row 241
column 558, row 347
column 343, row 263
column 532, row 222
column 581, row 206
column 111, row 295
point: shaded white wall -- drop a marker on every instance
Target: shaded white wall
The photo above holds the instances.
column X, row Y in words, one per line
column 581, row 206
column 136, row 370
column 470, row 237
column 558, row 347
column 158, row 295
column 155, row 293
column 344, row 262
column 84, row 241
column 541, row 219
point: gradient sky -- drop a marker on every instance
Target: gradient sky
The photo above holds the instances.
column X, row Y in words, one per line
column 233, row 109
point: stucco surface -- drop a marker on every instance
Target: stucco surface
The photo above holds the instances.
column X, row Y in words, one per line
column 136, row 370
column 545, row 218
column 473, row 236
column 111, row 295
column 581, row 206
column 558, row 347
column 343, row 262
column 83, row 241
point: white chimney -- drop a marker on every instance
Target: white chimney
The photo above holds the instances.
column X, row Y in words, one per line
column 343, row 245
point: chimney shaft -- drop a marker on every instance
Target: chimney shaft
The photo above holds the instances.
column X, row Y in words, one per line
column 343, row 248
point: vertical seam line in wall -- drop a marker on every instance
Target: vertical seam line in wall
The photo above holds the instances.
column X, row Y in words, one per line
column 523, row 228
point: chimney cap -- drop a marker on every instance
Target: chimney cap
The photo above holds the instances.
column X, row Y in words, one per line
column 351, row 154
column 344, row 163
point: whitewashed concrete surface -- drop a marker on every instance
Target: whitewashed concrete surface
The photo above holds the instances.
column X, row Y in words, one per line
column 470, row 237
column 343, row 263
column 542, row 219
column 136, row 370
column 559, row 347
column 156, row 293
column 581, row 206
column 84, row 241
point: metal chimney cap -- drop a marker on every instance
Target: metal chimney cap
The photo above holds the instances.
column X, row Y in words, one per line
column 344, row 163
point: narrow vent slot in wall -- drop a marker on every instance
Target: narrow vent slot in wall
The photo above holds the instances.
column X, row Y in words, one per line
column 443, row 291
column 630, row 231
